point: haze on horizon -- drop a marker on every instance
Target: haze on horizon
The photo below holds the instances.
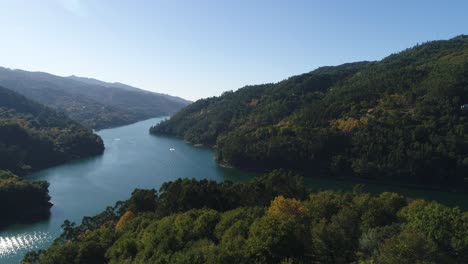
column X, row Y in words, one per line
column 196, row 49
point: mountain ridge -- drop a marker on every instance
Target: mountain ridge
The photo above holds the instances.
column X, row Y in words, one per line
column 124, row 86
column 397, row 119
column 94, row 106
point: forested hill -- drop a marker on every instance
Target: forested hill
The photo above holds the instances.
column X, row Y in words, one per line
column 33, row 136
column 92, row 103
column 127, row 87
column 396, row 120
column 271, row 219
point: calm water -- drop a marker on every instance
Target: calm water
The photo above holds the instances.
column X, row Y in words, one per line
column 132, row 159
column 135, row 159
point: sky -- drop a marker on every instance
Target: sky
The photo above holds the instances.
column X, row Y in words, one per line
column 200, row 48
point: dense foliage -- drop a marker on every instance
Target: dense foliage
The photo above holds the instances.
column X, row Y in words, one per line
column 33, row 136
column 90, row 102
column 22, row 200
column 269, row 220
column 395, row 120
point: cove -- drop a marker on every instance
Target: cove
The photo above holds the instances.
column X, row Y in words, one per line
column 133, row 159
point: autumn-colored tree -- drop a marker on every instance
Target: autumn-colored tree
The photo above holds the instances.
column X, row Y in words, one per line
column 345, row 124
column 127, row 216
column 328, row 227
column 291, row 209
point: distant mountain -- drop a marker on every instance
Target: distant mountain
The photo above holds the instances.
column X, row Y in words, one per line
column 93, row 103
column 33, row 136
column 396, row 120
column 126, row 87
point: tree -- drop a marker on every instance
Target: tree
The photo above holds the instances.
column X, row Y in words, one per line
column 410, row 247
column 142, row 201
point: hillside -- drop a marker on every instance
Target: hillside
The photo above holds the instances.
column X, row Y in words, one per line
column 271, row 219
column 22, row 200
column 127, row 87
column 92, row 103
column 33, row 136
column 395, row 120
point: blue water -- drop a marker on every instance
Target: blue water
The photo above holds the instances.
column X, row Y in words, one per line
column 133, row 159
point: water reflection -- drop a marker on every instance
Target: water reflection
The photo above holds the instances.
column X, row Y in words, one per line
column 11, row 245
column 132, row 159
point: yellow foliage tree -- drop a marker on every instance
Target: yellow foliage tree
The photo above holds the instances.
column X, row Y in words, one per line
column 291, row 209
column 345, row 124
column 127, row 216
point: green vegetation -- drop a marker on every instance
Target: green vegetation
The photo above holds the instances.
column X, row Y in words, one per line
column 271, row 219
column 22, row 200
column 397, row 120
column 33, row 136
column 92, row 103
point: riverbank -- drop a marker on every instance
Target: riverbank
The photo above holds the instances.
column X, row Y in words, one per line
column 132, row 159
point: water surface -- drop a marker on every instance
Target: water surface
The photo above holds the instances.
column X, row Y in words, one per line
column 133, row 159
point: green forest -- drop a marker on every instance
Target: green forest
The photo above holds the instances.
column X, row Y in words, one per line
column 271, row 219
column 22, row 200
column 33, row 136
column 396, row 120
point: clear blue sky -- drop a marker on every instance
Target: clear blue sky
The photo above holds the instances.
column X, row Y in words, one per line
column 197, row 49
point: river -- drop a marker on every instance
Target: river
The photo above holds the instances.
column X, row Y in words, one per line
column 135, row 159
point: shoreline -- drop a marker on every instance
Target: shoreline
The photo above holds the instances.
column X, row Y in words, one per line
column 351, row 179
